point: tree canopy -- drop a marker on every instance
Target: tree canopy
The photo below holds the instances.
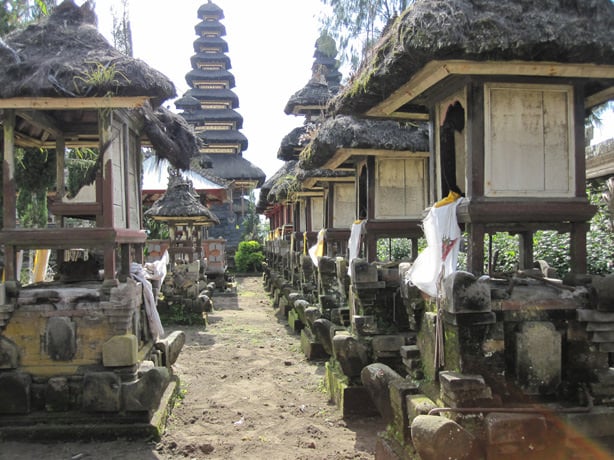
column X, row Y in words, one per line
column 357, row 24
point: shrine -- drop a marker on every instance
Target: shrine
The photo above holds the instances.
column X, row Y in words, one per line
column 88, row 345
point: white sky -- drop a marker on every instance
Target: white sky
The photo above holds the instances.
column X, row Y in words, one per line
column 270, row 46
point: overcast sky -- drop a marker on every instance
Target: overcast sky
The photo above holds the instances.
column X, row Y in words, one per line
column 270, row 46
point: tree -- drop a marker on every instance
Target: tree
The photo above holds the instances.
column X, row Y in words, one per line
column 122, row 33
column 357, row 24
column 16, row 13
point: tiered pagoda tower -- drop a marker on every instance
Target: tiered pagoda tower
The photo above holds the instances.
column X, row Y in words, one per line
column 209, row 106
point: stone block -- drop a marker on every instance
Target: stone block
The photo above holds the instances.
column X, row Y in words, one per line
column 101, row 392
column 399, row 390
column 340, row 315
column 454, row 381
column 412, row 364
column 362, row 271
column 294, row 321
column 171, row 346
column 377, row 378
column 436, row 437
column 465, row 293
column 323, row 331
column 538, row 358
column 120, row 350
column 418, row 404
column 327, row 266
column 15, row 392
column 57, row 395
column 312, row 314
column 365, row 324
column 388, row 343
column 604, row 289
column 312, row 350
column 353, row 401
column 470, row 319
column 351, row 354
column 145, row 393
column 328, row 301
column 60, row 338
column 410, row 352
column 9, row 354
column 588, row 315
column 514, row 433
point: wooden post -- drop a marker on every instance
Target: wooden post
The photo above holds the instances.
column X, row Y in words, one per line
column 60, row 164
column 577, row 247
column 104, row 129
column 525, row 250
column 475, row 251
column 9, row 192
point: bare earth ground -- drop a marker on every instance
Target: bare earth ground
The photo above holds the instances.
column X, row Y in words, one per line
column 248, row 393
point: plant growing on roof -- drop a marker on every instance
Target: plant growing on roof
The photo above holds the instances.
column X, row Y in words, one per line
column 100, row 76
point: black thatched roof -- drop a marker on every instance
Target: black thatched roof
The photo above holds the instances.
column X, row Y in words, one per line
column 180, row 204
column 209, row 27
column 325, row 79
column 295, row 141
column 566, row 31
column 198, row 115
column 210, row 57
column 224, row 136
column 210, row 9
column 171, row 136
column 64, row 55
column 235, row 168
column 350, row 132
column 303, row 174
column 210, row 42
column 214, row 95
column 200, row 74
column 187, row 102
column 284, row 175
column 313, row 93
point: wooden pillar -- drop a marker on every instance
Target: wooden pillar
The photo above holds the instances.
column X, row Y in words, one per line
column 475, row 251
column 308, row 205
column 60, row 164
column 9, row 192
column 104, row 146
column 525, row 250
column 124, row 271
column 414, row 248
column 577, row 247
column 371, row 243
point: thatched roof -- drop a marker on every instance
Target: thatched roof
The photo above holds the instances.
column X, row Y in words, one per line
column 324, row 82
column 314, row 93
column 566, row 31
column 293, row 142
column 283, row 174
column 210, row 9
column 350, row 132
column 64, row 55
column 171, row 136
column 226, row 168
column 180, row 204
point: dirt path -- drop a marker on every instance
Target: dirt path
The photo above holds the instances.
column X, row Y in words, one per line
column 248, row 393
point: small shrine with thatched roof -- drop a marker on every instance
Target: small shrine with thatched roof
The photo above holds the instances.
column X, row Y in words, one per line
column 187, row 220
column 89, row 342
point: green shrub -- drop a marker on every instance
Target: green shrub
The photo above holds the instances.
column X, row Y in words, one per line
column 249, row 256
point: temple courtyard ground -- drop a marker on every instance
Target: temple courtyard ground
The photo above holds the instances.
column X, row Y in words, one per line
column 247, row 392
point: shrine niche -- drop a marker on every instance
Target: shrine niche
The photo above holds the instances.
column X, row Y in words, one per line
column 89, row 341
